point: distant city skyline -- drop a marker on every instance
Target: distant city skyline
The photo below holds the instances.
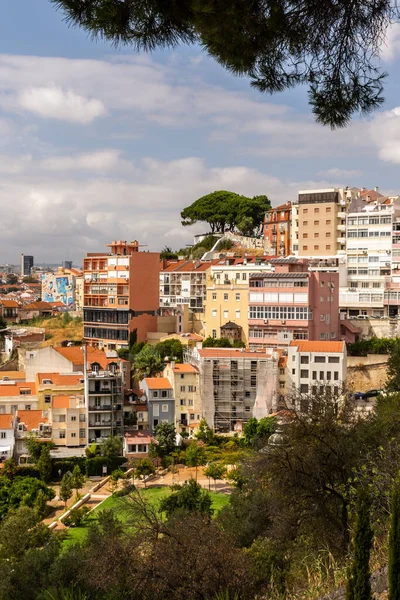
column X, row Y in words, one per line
column 99, row 144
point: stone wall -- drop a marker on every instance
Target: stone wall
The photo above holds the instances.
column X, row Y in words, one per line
column 366, row 372
column 389, row 328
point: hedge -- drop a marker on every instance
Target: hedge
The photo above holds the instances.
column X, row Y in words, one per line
column 27, row 471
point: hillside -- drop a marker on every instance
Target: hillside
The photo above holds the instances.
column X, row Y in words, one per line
column 59, row 329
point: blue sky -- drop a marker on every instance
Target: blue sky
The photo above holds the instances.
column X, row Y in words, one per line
column 98, row 144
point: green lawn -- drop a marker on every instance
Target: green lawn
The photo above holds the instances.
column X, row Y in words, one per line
column 77, row 534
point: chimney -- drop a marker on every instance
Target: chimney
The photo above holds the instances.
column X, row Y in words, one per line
column 172, row 365
column 376, row 189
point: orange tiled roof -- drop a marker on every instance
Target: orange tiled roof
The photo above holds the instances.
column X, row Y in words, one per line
column 158, row 383
column 6, row 421
column 31, row 418
column 39, row 305
column 75, row 355
column 14, row 389
column 61, row 379
column 318, row 346
column 230, row 353
column 9, row 303
column 13, row 375
column 187, row 265
column 185, row 368
column 60, row 402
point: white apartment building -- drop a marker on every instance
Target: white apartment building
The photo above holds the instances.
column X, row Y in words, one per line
column 370, row 240
column 184, row 282
column 312, row 364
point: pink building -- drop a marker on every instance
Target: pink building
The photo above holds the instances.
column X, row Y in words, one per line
column 293, row 303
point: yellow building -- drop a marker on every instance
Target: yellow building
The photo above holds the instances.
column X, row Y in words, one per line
column 57, row 384
column 184, row 379
column 227, row 296
column 68, row 420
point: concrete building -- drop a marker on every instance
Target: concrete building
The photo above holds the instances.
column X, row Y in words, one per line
column 321, row 221
column 227, row 295
column 236, row 385
column 293, row 303
column 7, row 437
column 315, row 365
column 158, row 394
column 27, row 263
column 51, row 385
column 30, row 422
column 137, row 444
column 17, row 395
column 185, row 381
column 104, row 402
column 277, row 234
column 183, row 282
column 68, row 420
column 60, row 286
column 121, row 295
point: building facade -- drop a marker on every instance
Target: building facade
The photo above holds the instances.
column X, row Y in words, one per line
column 121, row 295
column 293, row 303
column 183, row 282
column 104, row 405
column 158, row 394
column 27, row 263
column 185, row 381
column 277, row 230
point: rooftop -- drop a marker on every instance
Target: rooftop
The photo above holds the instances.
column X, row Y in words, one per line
column 158, row 383
column 61, row 402
column 187, row 265
column 14, row 388
column 318, row 346
column 75, row 355
column 184, row 368
column 61, row 379
column 31, row 418
column 234, row 353
column 6, row 421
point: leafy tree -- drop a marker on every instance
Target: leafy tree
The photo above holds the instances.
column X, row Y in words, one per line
column 189, row 497
column 91, row 451
column 204, row 433
column 172, row 348
column 77, row 479
column 331, row 48
column 215, row 470
column 394, row 543
column 196, row 455
column 45, row 464
column 168, row 254
column 29, row 279
column 35, row 447
column 40, row 505
column 147, row 363
column 165, row 435
column 9, row 469
column 111, row 447
column 21, row 531
column 3, row 323
column 393, row 369
column 66, row 488
column 210, row 342
column 24, row 491
column 256, row 433
column 358, row 577
column 144, row 468
column 11, row 279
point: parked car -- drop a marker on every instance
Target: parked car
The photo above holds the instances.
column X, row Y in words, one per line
column 372, row 394
column 359, row 395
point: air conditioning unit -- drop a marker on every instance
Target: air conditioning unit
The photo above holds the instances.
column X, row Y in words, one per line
column 266, row 321
column 283, row 322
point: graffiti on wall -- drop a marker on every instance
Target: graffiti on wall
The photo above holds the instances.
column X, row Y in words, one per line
column 58, row 288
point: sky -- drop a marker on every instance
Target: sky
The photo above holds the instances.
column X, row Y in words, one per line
column 99, row 144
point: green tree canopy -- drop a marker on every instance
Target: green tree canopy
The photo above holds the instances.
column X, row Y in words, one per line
column 111, row 446
column 189, row 497
column 330, row 47
column 172, row 348
column 196, row 455
column 66, row 487
column 393, row 370
column 144, row 468
column 45, row 464
column 165, row 435
column 227, row 211
column 147, row 363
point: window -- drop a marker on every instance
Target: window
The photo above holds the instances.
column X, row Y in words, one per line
column 333, row 359
column 73, row 418
column 214, row 312
column 226, row 314
column 182, row 376
column 82, row 418
column 305, row 247
column 322, row 317
column 305, row 211
column 305, row 223
column 73, row 434
column 322, row 298
column 322, row 336
column 164, row 394
column 316, row 210
column 81, row 433
column 304, row 373
column 328, row 222
column 237, row 314
column 237, row 276
column 25, row 391
column 328, row 375
column 328, row 247
column 61, row 434
column 247, row 394
column 3, row 435
column 321, row 375
column 214, row 333
column 62, row 418
column 237, row 297
column 156, row 410
column 328, row 209
column 47, row 399
column 183, row 402
column 319, row 359
column 191, row 417
column 304, row 388
column 305, row 236
column 314, row 375
column 191, row 388
column 183, row 388
column 336, row 375
column 214, row 296
column 328, row 234
column 316, row 235
column 316, row 247
column 226, row 297
column 281, row 371
column 190, row 403
column 27, row 407
column 164, row 408
column 304, row 360
column 282, row 385
column 316, row 222
column 244, row 276
column 293, row 371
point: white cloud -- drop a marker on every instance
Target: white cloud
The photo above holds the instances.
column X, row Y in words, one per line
column 385, row 133
column 335, row 172
column 102, row 160
column 390, row 48
column 14, row 164
column 64, row 105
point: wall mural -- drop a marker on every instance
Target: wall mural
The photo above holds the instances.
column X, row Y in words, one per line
column 58, row 288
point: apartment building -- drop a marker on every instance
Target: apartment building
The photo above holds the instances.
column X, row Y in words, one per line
column 236, row 385
column 183, row 282
column 294, row 229
column 51, row 385
column 371, row 241
column 293, row 303
column 158, row 394
column 60, row 286
column 7, row 437
column 321, row 221
column 314, row 365
column 68, row 420
column 227, row 296
column 30, row 422
column 105, row 405
column 185, row 381
column 17, row 395
column 121, row 295
column 277, row 234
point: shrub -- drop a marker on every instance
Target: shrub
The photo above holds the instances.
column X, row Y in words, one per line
column 77, row 517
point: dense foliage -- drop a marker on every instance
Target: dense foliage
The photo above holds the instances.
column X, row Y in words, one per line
column 331, row 47
column 373, row 345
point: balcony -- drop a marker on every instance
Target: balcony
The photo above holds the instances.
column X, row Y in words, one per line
column 341, row 215
column 341, row 227
column 341, row 240
column 104, row 407
column 99, row 424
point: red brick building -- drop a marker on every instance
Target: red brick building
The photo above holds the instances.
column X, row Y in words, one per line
column 277, row 230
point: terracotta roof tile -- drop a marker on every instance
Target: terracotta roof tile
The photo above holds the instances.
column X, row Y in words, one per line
column 318, row 346
column 14, row 389
column 158, row 383
column 61, row 402
column 9, row 303
column 61, row 379
column 13, row 375
column 185, row 368
column 75, row 355
column 6, row 421
column 31, row 418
